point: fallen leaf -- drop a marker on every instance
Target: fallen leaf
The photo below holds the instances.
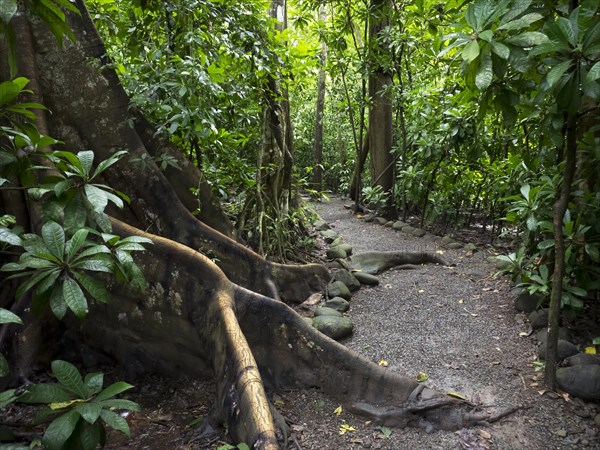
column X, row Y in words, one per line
column 360, row 216
column 542, row 392
column 386, row 431
column 591, row 350
column 421, row 291
column 337, row 411
column 534, row 384
column 422, row 376
column 461, row 301
column 440, row 252
column 344, row 428
column 454, row 394
column 566, row 397
column 383, row 363
column 484, row 434
column 278, row 402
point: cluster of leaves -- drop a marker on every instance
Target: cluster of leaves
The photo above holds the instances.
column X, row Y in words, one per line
column 81, row 403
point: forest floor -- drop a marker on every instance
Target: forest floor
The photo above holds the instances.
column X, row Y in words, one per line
column 455, row 324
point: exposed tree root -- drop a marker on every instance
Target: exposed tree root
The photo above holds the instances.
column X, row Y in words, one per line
column 376, row 262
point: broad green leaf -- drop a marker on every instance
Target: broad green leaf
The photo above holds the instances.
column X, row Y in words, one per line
column 557, row 72
column 578, row 291
column 7, row 397
column 8, row 8
column 517, row 8
column 569, row 29
column 113, row 159
column 74, row 298
column 118, row 403
column 471, row 51
column 44, row 393
column 54, row 238
column 76, row 242
column 92, row 435
column 112, row 390
column 592, row 251
column 49, row 281
column 485, row 74
column 486, row 35
column 72, row 159
column 138, row 239
column 96, row 197
column 94, row 265
column 62, row 186
column 9, row 237
column 115, row 421
column 592, row 75
column 94, row 382
column 522, row 22
column 38, row 277
column 7, row 316
column 95, row 250
column 528, row 39
column 525, row 190
column 94, row 287
column 60, row 430
column 89, row 411
column 87, row 160
column 57, row 301
column 68, row 375
column 544, row 245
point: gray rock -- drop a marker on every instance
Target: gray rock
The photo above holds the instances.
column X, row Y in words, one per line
column 366, row 278
column 336, row 252
column 334, row 327
column 583, row 359
column 369, row 217
column 398, row 225
column 419, row 232
column 447, row 240
column 337, row 242
column 542, row 335
column 347, row 248
column 565, row 349
column 329, row 235
column 321, row 225
column 349, row 205
column 470, row 247
column 348, row 279
column 526, row 302
column 337, row 303
column 539, row 318
column 581, row 381
column 326, row 311
column 455, row 245
column 389, row 223
column 408, row 229
column 338, row 289
column 381, row 220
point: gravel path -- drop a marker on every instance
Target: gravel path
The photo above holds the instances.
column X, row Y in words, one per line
column 458, row 326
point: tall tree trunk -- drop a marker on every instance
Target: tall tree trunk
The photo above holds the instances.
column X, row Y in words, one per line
column 380, row 112
column 212, row 307
column 320, row 107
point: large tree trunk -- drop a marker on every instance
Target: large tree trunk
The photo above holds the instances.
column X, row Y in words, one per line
column 212, row 307
column 380, row 112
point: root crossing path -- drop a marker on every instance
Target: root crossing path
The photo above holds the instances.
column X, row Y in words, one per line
column 457, row 326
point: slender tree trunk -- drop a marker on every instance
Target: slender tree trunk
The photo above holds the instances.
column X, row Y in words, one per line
column 320, row 107
column 381, row 112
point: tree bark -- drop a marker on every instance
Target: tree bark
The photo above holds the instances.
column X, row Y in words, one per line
column 380, row 111
column 320, row 107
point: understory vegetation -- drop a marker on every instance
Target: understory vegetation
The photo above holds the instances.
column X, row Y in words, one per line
column 491, row 123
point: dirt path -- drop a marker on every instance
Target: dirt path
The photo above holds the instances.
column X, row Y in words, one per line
column 458, row 326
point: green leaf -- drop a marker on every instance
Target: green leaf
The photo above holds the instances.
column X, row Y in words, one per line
column 38, row 277
column 115, row 421
column 486, row 35
column 96, row 197
column 60, row 430
column 76, row 242
column 91, row 436
column 95, row 250
column 93, row 382
column 112, row 390
column 94, row 265
column 9, row 237
column 62, row 186
column 113, row 159
column 44, row 393
column 471, row 51
column 87, row 160
column 484, row 76
column 522, row 22
column 7, row 316
column 544, row 245
column 118, row 403
column 57, row 301
column 557, row 72
column 68, row 375
column 94, row 287
column 578, row 291
column 54, row 238
column 592, row 75
column 525, row 190
column 528, row 39
column 74, row 298
column 8, row 8
column 7, row 397
column 592, row 251
column 89, row 411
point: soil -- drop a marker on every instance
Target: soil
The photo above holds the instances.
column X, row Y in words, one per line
column 456, row 325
